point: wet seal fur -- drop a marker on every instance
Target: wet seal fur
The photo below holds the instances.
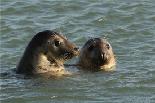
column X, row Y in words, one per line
column 96, row 55
column 46, row 53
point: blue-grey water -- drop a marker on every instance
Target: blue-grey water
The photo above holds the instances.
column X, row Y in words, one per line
column 129, row 25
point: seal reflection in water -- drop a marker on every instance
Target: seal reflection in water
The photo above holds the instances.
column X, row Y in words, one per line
column 46, row 53
column 97, row 54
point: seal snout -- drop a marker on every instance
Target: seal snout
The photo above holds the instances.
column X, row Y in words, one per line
column 102, row 59
column 102, row 56
column 70, row 54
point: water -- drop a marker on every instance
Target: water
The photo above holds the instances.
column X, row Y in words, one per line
column 129, row 25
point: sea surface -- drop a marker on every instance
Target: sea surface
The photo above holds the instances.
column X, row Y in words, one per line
column 129, row 25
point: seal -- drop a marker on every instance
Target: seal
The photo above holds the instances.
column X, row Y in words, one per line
column 46, row 53
column 96, row 55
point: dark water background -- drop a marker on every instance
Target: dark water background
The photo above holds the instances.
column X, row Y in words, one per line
column 129, row 25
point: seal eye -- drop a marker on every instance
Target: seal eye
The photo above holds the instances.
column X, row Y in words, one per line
column 91, row 47
column 108, row 46
column 57, row 43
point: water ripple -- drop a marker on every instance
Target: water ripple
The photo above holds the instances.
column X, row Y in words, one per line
column 128, row 25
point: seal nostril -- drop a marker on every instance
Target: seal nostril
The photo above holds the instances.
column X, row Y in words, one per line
column 102, row 56
column 76, row 48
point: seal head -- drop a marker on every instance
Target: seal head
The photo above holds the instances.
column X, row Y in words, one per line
column 97, row 54
column 47, row 51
